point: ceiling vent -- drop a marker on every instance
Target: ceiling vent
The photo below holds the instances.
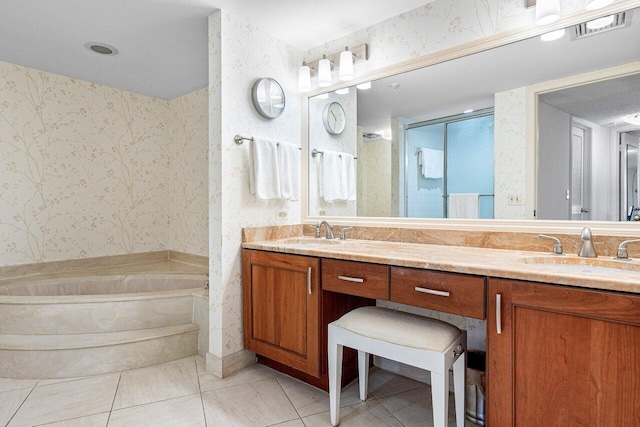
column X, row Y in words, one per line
column 371, row 135
column 620, row 20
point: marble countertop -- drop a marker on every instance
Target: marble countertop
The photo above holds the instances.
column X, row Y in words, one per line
column 596, row 273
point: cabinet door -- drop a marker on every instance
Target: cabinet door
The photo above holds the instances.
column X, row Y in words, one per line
column 562, row 356
column 281, row 308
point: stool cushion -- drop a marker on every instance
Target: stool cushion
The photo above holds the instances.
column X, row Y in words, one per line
column 399, row 328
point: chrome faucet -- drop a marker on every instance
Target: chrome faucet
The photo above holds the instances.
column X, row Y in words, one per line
column 587, row 250
column 316, row 229
column 328, row 229
column 622, row 249
column 557, row 245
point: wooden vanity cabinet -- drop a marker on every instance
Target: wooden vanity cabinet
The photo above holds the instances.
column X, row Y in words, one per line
column 562, row 356
column 281, row 304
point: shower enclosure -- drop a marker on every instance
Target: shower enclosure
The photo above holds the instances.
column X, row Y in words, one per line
column 448, row 156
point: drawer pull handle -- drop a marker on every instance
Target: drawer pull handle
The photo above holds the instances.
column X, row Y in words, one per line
column 499, row 314
column 351, row 279
column 309, row 280
column 432, row 292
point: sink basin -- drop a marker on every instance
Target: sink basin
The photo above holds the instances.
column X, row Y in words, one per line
column 584, row 265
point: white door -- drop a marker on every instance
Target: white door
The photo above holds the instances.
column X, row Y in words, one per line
column 579, row 193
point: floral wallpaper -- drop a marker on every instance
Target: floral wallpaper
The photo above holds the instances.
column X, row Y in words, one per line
column 374, row 177
column 84, row 169
column 239, row 54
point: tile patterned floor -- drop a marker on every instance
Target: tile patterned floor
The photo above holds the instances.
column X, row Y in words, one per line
column 182, row 393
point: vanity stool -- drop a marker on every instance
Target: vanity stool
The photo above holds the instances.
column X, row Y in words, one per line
column 418, row 341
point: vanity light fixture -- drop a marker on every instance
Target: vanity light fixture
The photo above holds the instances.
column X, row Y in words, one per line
column 346, row 65
column 552, row 35
column 343, row 91
column 633, row 119
column 324, row 72
column 304, row 78
column 364, row 86
column 547, row 11
column 597, row 4
column 600, row 22
column 342, row 61
column 323, row 96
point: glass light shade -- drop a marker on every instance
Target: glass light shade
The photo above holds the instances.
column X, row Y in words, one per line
column 323, row 96
column 324, row 73
column 552, row 35
column 346, row 66
column 600, row 22
column 547, row 11
column 304, row 79
column 364, row 86
column 343, row 91
column 597, row 4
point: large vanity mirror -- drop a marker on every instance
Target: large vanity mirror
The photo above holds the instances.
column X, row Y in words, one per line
column 528, row 130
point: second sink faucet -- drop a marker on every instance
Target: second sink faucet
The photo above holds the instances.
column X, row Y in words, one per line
column 587, row 250
column 328, row 229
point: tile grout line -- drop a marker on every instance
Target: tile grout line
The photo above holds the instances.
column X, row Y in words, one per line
column 204, row 413
column 390, row 413
column 20, row 407
column 288, row 398
column 70, row 419
column 114, row 398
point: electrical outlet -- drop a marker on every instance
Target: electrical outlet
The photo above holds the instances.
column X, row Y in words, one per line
column 282, row 215
column 515, row 200
column 322, row 213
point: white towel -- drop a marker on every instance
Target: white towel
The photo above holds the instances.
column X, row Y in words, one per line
column 289, row 169
column 264, row 175
column 349, row 173
column 463, row 205
column 432, row 163
column 332, row 174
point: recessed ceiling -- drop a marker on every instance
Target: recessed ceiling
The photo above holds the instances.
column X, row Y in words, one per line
column 162, row 44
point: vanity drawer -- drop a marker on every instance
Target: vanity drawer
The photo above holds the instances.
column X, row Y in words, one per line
column 448, row 292
column 356, row 278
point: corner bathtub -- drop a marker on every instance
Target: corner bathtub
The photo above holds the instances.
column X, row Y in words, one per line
column 87, row 325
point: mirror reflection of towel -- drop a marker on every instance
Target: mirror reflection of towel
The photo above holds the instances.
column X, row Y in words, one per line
column 349, row 182
column 463, row 205
column 332, row 176
column 432, row 162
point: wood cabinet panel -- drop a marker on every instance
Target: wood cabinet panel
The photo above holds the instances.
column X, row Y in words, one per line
column 448, row 292
column 565, row 356
column 281, row 303
column 356, row 278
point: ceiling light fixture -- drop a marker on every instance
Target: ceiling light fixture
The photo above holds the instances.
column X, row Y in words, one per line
column 633, row 119
column 342, row 61
column 600, row 22
column 101, row 48
column 597, row 4
column 467, row 111
column 343, row 91
column 552, row 35
column 346, row 65
column 364, row 86
column 547, row 11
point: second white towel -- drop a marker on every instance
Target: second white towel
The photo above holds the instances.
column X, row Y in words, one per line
column 463, row 205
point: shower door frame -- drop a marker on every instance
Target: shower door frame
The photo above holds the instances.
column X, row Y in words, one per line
column 444, row 120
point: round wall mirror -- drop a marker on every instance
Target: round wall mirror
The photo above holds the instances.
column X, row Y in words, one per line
column 268, row 98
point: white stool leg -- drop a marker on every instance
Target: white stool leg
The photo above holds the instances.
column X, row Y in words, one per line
column 335, row 380
column 363, row 374
column 440, row 398
column 459, row 385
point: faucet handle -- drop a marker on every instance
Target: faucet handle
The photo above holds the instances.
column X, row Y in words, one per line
column 343, row 235
column 557, row 244
column 316, row 229
column 623, row 253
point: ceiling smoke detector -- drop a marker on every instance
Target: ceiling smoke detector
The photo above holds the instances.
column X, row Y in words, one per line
column 101, row 48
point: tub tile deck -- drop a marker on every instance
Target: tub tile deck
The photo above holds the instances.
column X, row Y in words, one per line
column 255, row 396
